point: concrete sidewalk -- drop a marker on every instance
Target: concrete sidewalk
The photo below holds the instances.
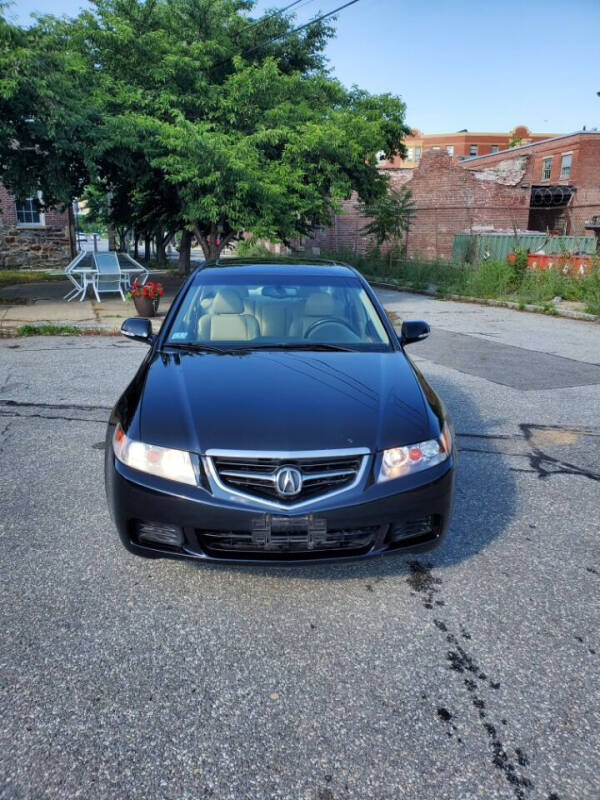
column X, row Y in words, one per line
column 44, row 303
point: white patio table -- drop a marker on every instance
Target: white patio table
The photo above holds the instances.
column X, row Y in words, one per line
column 88, row 275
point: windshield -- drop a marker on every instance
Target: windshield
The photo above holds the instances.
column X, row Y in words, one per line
column 274, row 310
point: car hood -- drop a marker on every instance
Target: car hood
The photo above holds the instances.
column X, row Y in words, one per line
column 274, row 400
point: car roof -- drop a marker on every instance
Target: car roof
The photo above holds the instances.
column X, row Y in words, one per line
column 291, row 266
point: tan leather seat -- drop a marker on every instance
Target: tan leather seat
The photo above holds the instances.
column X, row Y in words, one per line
column 319, row 305
column 274, row 317
column 227, row 320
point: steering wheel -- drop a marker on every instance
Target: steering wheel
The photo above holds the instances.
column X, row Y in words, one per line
column 328, row 321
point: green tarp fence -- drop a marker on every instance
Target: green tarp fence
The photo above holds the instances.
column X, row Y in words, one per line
column 496, row 246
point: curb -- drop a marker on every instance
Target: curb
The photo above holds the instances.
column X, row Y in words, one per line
column 558, row 312
column 83, row 329
column 12, row 331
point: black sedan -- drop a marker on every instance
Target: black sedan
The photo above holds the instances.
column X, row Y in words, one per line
column 277, row 418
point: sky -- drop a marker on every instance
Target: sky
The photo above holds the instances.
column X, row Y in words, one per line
column 475, row 64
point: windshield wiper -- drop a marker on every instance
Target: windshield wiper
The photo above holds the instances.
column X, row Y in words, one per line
column 302, row 346
column 199, row 347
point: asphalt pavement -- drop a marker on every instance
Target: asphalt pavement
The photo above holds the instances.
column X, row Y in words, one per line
column 468, row 672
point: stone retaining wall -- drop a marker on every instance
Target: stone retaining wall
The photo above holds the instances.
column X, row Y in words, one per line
column 38, row 248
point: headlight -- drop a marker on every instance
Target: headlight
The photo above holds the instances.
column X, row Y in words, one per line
column 401, row 461
column 175, row 465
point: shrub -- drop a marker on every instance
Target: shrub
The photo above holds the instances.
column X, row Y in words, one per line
column 519, row 266
column 491, row 279
column 252, row 248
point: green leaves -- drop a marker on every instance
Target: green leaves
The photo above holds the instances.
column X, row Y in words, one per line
column 391, row 215
column 190, row 117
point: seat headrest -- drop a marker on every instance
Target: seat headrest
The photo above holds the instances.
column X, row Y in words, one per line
column 227, row 301
column 320, row 304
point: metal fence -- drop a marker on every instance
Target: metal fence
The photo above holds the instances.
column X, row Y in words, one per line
column 468, row 232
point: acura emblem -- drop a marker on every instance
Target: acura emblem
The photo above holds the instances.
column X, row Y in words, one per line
column 288, row 481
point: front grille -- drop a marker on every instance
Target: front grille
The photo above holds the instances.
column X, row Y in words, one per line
column 246, row 544
column 257, row 475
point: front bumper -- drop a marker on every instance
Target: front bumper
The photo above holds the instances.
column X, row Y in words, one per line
column 367, row 521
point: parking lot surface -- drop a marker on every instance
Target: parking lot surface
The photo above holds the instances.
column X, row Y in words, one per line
column 468, row 672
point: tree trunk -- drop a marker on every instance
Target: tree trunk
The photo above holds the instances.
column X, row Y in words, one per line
column 185, row 248
column 136, row 246
column 161, row 250
column 210, row 242
column 147, row 253
column 72, row 232
column 161, row 246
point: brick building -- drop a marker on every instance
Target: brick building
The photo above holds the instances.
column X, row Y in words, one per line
column 562, row 177
column 30, row 237
column 552, row 186
column 461, row 145
column 448, row 199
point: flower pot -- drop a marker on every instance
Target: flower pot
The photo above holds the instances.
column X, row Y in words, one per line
column 145, row 306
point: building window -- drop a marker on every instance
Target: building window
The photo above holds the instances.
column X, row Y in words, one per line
column 450, row 149
column 410, row 154
column 472, row 149
column 565, row 166
column 494, row 148
column 417, row 153
column 546, row 169
column 28, row 211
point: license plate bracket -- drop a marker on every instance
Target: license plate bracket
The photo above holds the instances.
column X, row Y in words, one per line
column 273, row 531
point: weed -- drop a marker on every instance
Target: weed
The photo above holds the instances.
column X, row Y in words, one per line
column 48, row 330
column 13, row 277
column 489, row 279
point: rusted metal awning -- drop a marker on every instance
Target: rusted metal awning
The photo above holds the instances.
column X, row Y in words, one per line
column 551, row 195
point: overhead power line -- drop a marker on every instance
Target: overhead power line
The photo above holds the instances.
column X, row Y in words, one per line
column 284, row 35
column 277, row 13
column 300, row 27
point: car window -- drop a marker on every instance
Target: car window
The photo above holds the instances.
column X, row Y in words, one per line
column 236, row 310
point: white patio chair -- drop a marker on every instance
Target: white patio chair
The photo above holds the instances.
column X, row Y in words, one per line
column 141, row 274
column 108, row 277
column 77, row 285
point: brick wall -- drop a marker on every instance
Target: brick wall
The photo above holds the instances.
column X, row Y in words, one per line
column 449, row 200
column 46, row 246
column 584, row 148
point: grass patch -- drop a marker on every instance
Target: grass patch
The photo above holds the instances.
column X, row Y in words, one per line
column 48, row 330
column 498, row 280
column 13, row 277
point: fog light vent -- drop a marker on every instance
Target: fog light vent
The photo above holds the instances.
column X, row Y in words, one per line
column 412, row 528
column 161, row 534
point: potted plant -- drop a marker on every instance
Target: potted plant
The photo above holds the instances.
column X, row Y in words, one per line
column 145, row 297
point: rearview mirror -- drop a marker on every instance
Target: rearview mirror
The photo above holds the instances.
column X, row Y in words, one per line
column 413, row 330
column 138, row 328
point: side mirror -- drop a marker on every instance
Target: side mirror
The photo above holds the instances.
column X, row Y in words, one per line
column 138, row 328
column 413, row 330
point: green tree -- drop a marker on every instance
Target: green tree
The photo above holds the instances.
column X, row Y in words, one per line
column 211, row 124
column 390, row 214
column 47, row 111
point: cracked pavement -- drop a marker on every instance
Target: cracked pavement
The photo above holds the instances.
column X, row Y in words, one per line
column 469, row 672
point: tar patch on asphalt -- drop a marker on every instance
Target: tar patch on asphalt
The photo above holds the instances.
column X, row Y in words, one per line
column 463, row 663
column 506, row 364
